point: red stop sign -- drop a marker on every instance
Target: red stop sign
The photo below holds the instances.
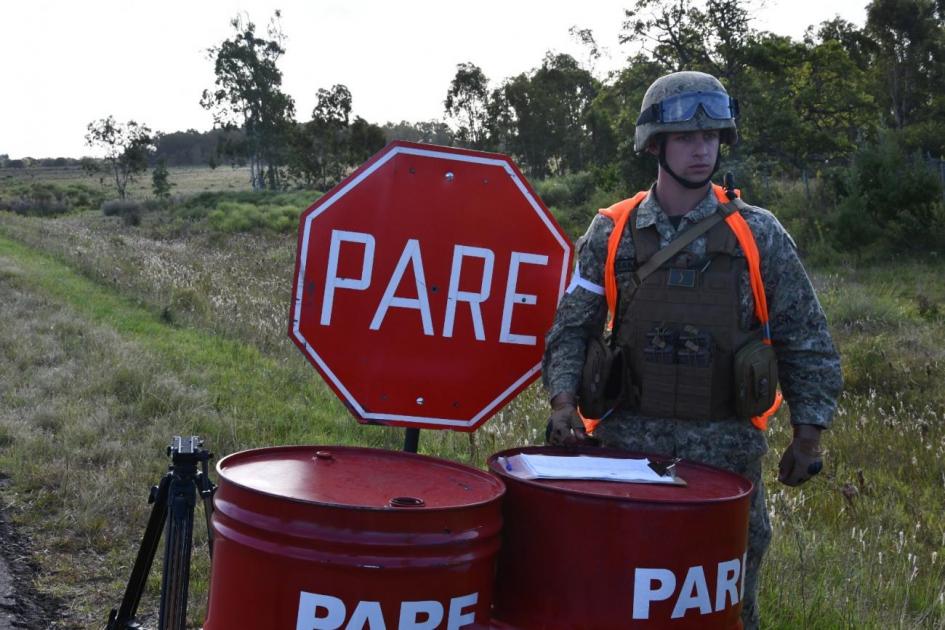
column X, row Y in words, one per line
column 424, row 285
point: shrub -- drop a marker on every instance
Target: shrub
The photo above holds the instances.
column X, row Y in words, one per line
column 127, row 209
column 47, row 199
column 233, row 216
column 40, row 200
column 889, row 201
column 861, row 309
column 246, row 211
column 566, row 190
column 160, row 180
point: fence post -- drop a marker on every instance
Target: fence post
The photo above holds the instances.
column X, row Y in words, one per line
column 941, row 175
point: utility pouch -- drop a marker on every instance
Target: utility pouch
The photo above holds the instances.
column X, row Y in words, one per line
column 756, row 379
column 603, row 379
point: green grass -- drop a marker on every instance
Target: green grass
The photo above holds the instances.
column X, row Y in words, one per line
column 95, row 385
column 187, row 180
column 52, row 191
column 96, row 395
column 246, row 211
column 267, row 395
column 141, row 332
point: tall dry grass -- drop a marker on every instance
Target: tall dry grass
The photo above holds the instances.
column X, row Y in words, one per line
column 861, row 546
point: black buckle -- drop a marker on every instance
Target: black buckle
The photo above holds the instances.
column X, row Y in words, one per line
column 650, row 114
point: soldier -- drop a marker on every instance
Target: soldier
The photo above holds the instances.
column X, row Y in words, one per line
column 684, row 329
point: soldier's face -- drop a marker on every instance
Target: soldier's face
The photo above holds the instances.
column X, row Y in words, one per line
column 692, row 154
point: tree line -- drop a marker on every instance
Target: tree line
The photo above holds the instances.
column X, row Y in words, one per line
column 808, row 107
column 804, row 103
column 861, row 109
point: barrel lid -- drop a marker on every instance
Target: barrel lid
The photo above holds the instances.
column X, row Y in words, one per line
column 704, row 484
column 355, row 477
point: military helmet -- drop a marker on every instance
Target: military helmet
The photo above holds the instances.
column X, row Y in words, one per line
column 686, row 101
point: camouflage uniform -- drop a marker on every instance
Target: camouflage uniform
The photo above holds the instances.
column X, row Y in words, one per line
column 808, row 363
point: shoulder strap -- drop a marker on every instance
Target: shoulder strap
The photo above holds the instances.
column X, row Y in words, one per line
column 736, row 222
column 746, row 240
column 618, row 213
column 675, row 246
column 646, row 242
column 721, row 240
column 655, row 261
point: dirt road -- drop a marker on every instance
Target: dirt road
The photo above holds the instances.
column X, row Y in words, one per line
column 20, row 605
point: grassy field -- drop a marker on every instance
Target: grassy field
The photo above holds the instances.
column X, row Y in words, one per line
column 114, row 337
column 187, row 180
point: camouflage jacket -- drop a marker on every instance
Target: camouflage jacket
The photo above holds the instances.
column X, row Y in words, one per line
column 808, row 363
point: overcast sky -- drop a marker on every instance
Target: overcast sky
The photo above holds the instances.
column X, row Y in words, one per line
column 65, row 63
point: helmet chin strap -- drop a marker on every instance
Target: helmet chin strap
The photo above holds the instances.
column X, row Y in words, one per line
column 685, row 182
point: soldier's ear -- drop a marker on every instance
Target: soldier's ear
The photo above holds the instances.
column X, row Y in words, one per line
column 653, row 145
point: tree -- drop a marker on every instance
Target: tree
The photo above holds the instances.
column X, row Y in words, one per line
column 909, row 64
column 617, row 105
column 333, row 107
column 679, row 35
column 191, row 147
column 891, row 198
column 804, row 104
column 431, row 132
column 909, row 38
column 364, row 140
column 248, row 93
column 585, row 37
column 319, row 145
column 126, row 148
column 547, row 110
column 324, row 148
column 467, row 103
column 858, row 45
column 160, row 180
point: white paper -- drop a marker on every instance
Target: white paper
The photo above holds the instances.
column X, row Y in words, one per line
column 584, row 467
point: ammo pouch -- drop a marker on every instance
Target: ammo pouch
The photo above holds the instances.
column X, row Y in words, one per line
column 602, row 379
column 756, row 379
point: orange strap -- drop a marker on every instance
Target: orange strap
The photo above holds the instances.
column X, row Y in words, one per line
column 620, row 212
column 746, row 240
column 761, row 422
column 589, row 423
column 736, row 222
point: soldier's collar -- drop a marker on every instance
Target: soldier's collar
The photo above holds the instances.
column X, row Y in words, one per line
column 650, row 212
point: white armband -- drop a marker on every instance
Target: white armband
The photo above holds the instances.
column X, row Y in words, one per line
column 587, row 285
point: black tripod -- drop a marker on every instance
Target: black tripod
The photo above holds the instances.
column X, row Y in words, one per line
column 174, row 501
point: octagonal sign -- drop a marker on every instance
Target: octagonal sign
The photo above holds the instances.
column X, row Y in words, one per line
column 424, row 285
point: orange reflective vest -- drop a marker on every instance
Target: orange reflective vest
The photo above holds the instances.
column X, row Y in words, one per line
column 620, row 213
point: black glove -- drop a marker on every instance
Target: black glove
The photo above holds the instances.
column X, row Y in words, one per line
column 565, row 426
column 802, row 459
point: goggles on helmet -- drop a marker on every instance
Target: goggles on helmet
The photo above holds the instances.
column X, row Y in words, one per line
column 682, row 107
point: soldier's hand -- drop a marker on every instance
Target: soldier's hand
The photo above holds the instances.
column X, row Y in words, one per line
column 565, row 426
column 802, row 459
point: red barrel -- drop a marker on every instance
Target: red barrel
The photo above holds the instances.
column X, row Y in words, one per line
column 314, row 537
column 601, row 554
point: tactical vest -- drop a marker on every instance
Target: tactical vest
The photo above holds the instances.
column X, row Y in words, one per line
column 679, row 328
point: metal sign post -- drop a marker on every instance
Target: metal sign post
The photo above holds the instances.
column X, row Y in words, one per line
column 411, row 439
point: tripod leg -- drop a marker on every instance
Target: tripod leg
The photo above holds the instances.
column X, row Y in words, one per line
column 178, row 542
column 207, row 489
column 139, row 573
